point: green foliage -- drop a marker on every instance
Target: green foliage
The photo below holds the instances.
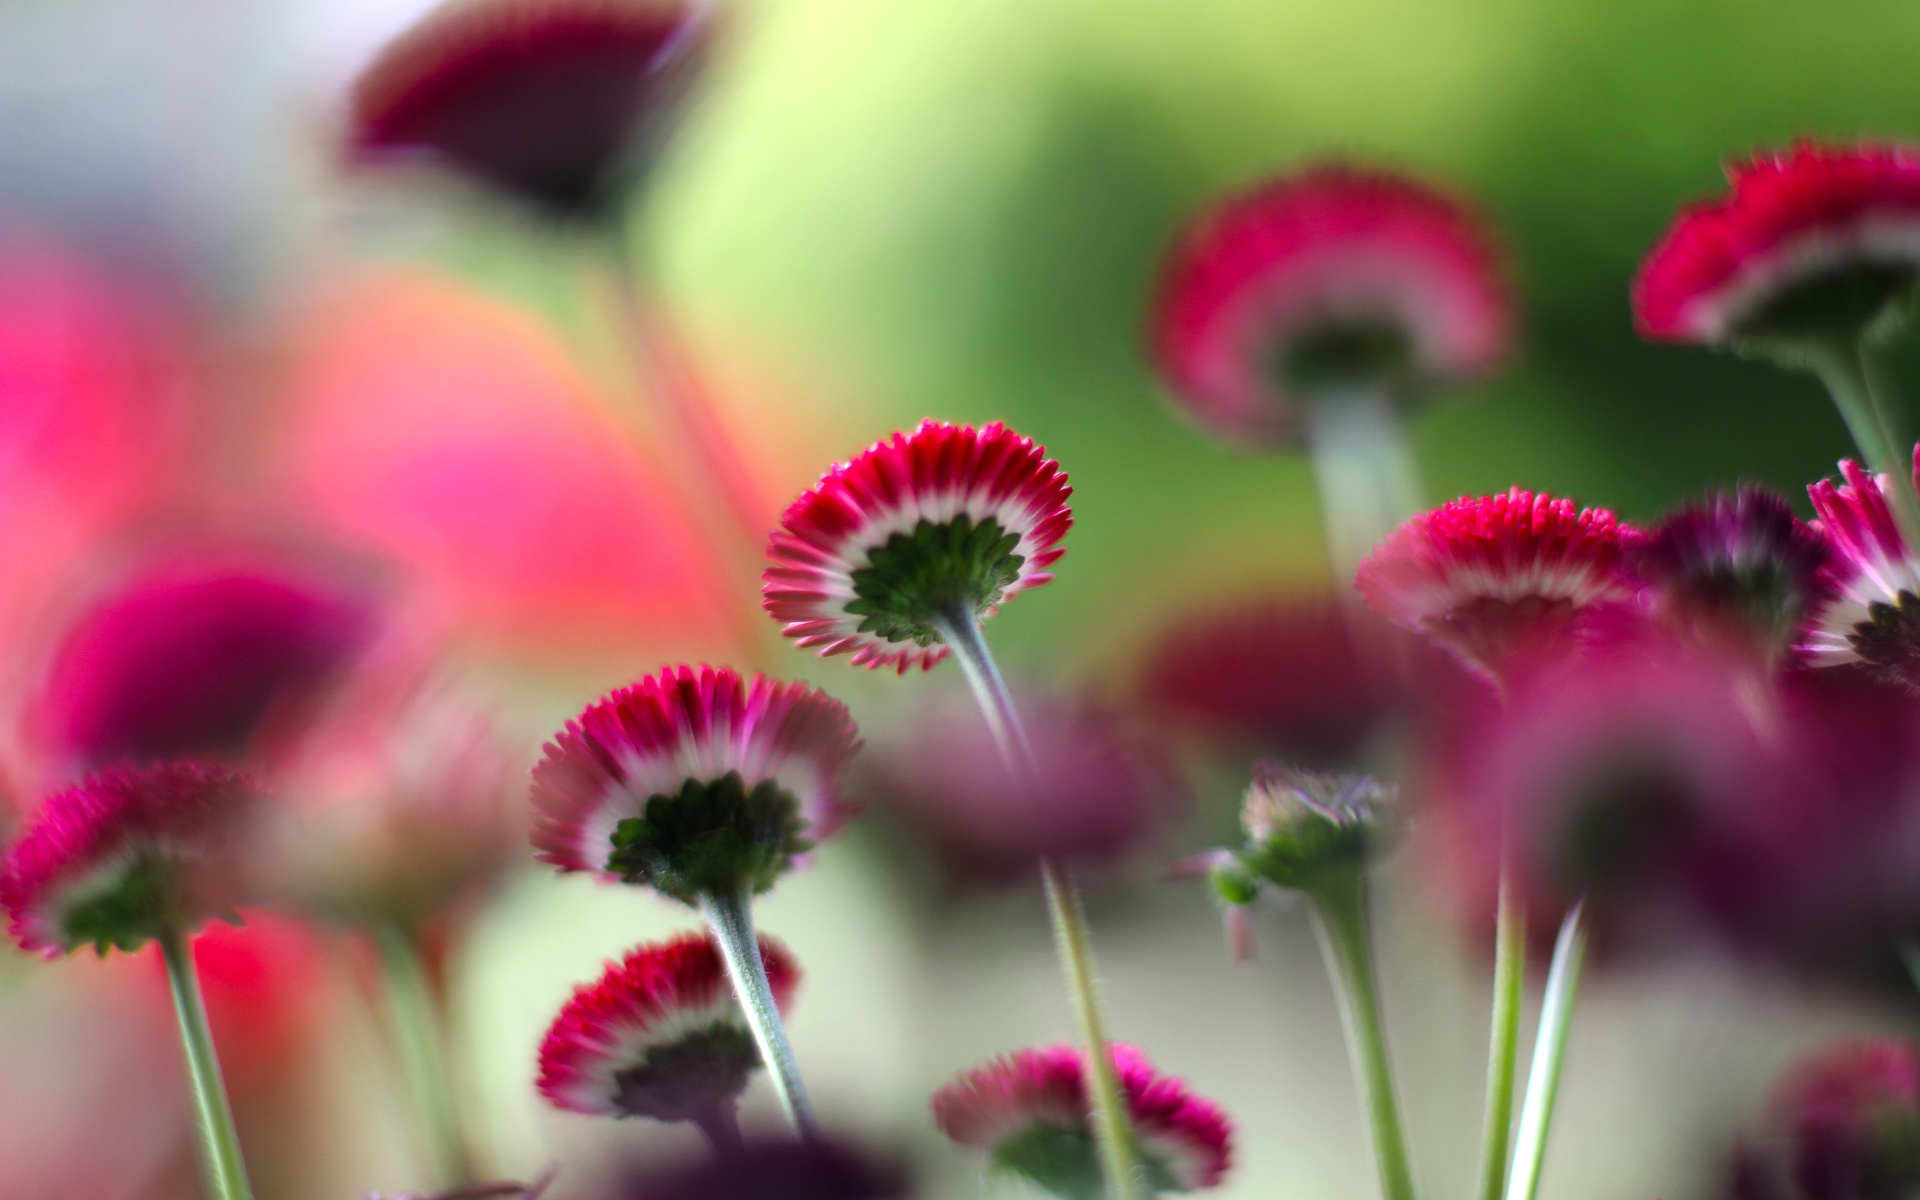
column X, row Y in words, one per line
column 914, row 577
column 710, row 836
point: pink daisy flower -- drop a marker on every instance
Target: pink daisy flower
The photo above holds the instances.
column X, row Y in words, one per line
column 1875, row 618
column 1813, row 241
column 659, row 1035
column 1843, row 1122
column 916, row 530
column 554, row 102
column 1029, row 1111
column 1493, row 576
column 694, row 781
column 1330, row 278
column 125, row 856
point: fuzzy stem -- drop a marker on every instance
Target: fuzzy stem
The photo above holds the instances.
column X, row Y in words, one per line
column 1345, row 936
column 1849, row 374
column 1503, row 1045
column 420, row 1043
column 224, row 1170
column 731, row 916
column 1363, row 470
column 721, row 1125
column 959, row 627
column 1549, row 1053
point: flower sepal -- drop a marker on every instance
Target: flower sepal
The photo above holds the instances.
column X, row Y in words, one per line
column 1307, row 832
column 715, row 837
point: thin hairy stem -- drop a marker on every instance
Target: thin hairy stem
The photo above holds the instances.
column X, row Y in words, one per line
column 1503, row 1045
column 419, row 1040
column 959, row 627
column 220, row 1162
column 1549, row 1054
column 731, row 916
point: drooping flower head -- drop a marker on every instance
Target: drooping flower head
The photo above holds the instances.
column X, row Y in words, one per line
column 1493, row 577
column 659, row 1035
column 1740, row 565
column 1029, row 1111
column 1843, row 1124
column 1812, row 243
column 126, row 855
column 948, row 519
column 1098, row 788
column 555, row 102
column 1330, row 279
column 694, row 781
column 1875, row 618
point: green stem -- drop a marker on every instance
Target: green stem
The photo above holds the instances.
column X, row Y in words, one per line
column 1849, row 377
column 1362, row 469
column 731, row 916
column 1341, row 906
column 1503, row 1046
column 225, row 1172
column 1112, row 1136
column 419, row 1039
column 959, row 627
column 721, row 1125
column 1549, row 1054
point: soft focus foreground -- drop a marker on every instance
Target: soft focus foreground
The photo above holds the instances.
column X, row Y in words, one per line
column 359, row 430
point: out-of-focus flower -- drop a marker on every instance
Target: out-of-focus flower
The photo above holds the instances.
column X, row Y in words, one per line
column 1739, row 566
column 1282, row 675
column 268, row 996
column 558, row 103
column 1325, row 281
column 1098, row 790
column 197, row 655
column 660, row 1035
column 694, row 780
column 1843, row 1124
column 1875, row 618
column 1029, row 1111
column 1499, row 577
column 393, row 812
column 1813, row 243
column 813, row 1169
column 916, row 531
column 125, row 856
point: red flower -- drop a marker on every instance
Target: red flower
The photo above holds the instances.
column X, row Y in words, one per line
column 868, row 561
column 1495, row 576
column 125, row 856
column 1332, row 276
column 548, row 100
column 1030, row 1112
column 660, row 1035
column 713, row 775
column 1810, row 238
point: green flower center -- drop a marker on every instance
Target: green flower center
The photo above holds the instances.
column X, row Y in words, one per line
column 1063, row 1160
column 1838, row 304
column 125, row 907
column 688, row 1078
column 914, row 578
column 1367, row 352
column 710, row 836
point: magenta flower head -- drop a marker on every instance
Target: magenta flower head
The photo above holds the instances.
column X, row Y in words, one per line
column 125, row 856
column 1812, row 243
column 1098, row 790
column 943, row 524
column 198, row 656
column 1497, row 577
column 1875, row 618
column 1029, row 1112
column 660, row 1035
column 1333, row 279
column 1843, row 1124
column 694, row 781
column 557, row 103
column 1739, row 566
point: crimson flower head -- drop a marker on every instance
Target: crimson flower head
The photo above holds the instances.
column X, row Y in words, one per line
column 557, row 103
column 1029, row 1111
column 127, row 855
column 1494, row 577
column 659, row 1035
column 1812, row 243
column 1330, row 280
column 1843, row 1124
column 694, row 781
column 1739, row 565
column 1875, row 618
column 939, row 525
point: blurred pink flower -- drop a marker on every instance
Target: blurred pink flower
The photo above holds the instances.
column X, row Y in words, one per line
column 1843, row 1124
column 1099, row 792
column 1333, row 276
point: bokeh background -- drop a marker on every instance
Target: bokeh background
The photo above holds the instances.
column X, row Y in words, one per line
column 876, row 212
